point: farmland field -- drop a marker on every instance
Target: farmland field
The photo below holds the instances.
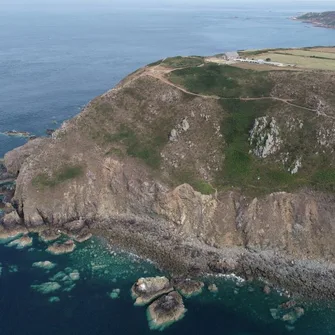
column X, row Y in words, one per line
column 326, row 49
column 300, row 61
column 308, row 53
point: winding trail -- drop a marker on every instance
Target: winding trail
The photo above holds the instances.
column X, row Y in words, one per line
column 160, row 72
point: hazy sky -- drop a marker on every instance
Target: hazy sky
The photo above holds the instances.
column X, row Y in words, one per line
column 156, row 2
column 63, row 4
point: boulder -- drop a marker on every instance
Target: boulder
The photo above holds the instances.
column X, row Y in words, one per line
column 61, row 248
column 49, row 235
column 22, row 242
column 213, row 288
column 188, row 287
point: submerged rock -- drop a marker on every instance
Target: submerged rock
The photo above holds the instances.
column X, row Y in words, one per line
column 54, row 299
column 287, row 312
column 115, row 294
column 267, row 289
column 147, row 289
column 7, row 235
column 74, row 275
column 17, row 133
column 13, row 268
column 66, row 278
column 165, row 311
column 20, row 243
column 188, row 287
column 49, row 235
column 213, row 288
column 46, row 288
column 44, row 265
column 61, row 248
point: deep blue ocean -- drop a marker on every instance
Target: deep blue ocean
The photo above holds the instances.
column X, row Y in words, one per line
column 53, row 60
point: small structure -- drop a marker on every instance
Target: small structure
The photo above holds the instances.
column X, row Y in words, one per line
column 232, row 55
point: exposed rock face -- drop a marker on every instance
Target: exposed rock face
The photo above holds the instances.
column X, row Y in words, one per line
column 166, row 310
column 147, row 289
column 15, row 158
column 265, row 137
column 48, row 235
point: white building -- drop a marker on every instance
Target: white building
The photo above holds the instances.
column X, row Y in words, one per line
column 232, row 55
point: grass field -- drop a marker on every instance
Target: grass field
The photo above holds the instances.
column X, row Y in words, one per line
column 301, row 61
column 179, row 61
column 320, row 58
column 309, row 53
column 223, row 81
column 321, row 49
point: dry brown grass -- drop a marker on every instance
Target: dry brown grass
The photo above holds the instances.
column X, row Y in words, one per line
column 308, row 53
column 330, row 49
column 258, row 67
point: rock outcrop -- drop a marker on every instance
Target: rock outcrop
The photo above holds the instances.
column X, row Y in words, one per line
column 146, row 290
column 166, row 310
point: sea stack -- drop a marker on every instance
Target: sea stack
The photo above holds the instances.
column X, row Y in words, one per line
column 146, row 290
column 165, row 311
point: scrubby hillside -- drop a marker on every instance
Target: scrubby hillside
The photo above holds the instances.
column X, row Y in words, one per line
column 186, row 155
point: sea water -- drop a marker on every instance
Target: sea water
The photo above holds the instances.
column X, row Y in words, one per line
column 83, row 304
column 53, row 60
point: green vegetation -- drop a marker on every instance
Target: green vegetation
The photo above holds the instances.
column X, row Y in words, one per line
column 223, row 81
column 186, row 176
column 250, row 53
column 155, row 63
column 141, row 135
column 62, row 175
column 148, row 150
column 178, row 62
column 324, row 179
column 114, row 151
column 242, row 169
column 202, row 187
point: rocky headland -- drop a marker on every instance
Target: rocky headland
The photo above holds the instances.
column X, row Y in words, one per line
column 325, row 19
column 203, row 168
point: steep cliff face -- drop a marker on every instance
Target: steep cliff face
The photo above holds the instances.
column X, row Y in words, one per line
column 199, row 167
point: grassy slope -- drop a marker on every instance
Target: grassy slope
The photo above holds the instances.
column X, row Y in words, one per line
column 137, row 123
column 223, row 80
column 241, row 168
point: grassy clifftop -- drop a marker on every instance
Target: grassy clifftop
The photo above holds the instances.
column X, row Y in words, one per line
column 215, row 126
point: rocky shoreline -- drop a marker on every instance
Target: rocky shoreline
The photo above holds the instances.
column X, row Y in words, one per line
column 156, row 239
column 322, row 20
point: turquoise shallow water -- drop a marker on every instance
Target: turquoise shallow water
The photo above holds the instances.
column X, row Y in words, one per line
column 52, row 62
column 239, row 308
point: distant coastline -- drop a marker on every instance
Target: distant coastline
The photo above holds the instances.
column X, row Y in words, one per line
column 324, row 19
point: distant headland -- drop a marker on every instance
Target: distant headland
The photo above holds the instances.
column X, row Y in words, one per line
column 325, row 19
